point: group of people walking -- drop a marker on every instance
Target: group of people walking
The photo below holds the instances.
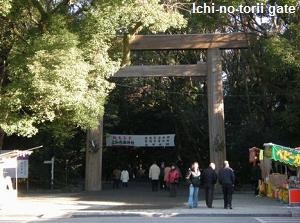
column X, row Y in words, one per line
column 208, row 178
column 120, row 177
column 168, row 178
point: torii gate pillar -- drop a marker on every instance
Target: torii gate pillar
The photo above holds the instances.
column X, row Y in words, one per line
column 217, row 148
column 93, row 165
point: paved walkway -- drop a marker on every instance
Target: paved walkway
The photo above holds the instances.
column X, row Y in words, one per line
column 136, row 200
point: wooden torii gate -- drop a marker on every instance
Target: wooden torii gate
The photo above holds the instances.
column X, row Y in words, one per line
column 212, row 70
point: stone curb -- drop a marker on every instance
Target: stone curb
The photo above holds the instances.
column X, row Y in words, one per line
column 83, row 215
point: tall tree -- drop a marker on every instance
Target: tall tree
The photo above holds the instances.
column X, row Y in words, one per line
column 52, row 70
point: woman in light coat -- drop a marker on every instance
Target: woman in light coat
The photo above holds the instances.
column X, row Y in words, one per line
column 124, row 177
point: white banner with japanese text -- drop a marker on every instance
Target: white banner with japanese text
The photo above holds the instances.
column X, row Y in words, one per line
column 165, row 140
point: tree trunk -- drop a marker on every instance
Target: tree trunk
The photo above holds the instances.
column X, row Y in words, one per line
column 2, row 134
column 126, row 51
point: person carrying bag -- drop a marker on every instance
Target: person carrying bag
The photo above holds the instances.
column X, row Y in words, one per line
column 193, row 179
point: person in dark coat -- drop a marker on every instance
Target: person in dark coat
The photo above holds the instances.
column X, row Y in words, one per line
column 226, row 179
column 256, row 177
column 209, row 179
column 162, row 183
column 116, row 176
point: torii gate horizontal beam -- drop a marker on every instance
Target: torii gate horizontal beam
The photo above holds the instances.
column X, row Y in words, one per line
column 163, row 71
column 192, row 41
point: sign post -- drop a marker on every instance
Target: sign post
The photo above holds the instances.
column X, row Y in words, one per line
column 52, row 170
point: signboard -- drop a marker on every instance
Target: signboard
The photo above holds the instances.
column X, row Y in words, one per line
column 9, row 167
column 285, row 154
column 294, row 196
column 22, row 168
column 165, row 140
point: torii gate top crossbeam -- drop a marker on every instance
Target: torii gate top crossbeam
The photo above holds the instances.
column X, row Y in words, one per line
column 192, row 41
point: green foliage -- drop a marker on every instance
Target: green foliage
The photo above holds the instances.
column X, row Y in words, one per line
column 51, row 80
column 56, row 71
column 5, row 6
column 151, row 15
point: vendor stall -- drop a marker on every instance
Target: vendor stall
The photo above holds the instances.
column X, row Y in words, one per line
column 13, row 166
column 284, row 181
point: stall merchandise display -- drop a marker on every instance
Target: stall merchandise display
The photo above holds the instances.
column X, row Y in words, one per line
column 279, row 186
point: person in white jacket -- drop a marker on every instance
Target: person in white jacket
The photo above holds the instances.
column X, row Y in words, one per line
column 124, row 177
column 154, row 173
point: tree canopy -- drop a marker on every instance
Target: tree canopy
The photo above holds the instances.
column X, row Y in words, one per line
column 56, row 60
